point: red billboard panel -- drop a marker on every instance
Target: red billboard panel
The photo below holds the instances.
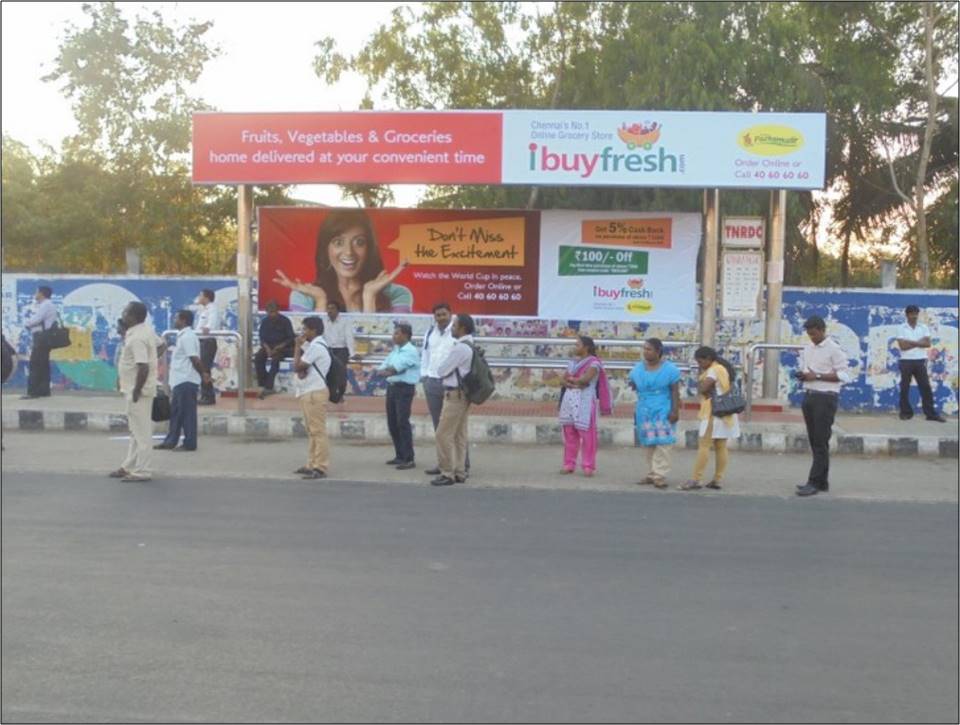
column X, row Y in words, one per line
column 400, row 261
column 361, row 147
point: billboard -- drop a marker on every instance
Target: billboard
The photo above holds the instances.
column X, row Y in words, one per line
column 399, row 261
column 624, row 266
column 633, row 148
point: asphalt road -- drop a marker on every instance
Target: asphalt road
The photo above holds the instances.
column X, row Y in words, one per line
column 238, row 599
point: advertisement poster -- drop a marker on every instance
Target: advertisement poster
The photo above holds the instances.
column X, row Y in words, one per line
column 348, row 147
column 399, row 261
column 619, row 266
column 633, row 148
column 664, row 148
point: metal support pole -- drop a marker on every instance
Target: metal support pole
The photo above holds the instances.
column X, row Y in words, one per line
column 244, row 298
column 708, row 311
column 774, row 312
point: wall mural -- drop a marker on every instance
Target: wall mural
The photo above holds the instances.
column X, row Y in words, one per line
column 863, row 321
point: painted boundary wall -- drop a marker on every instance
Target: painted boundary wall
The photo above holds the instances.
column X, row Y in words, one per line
column 864, row 321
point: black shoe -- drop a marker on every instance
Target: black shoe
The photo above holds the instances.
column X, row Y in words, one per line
column 432, row 472
column 460, row 479
column 824, row 489
column 937, row 418
column 442, row 481
column 314, row 473
column 906, row 416
column 303, row 469
column 808, row 490
column 162, row 447
column 394, row 461
column 406, row 466
column 184, row 448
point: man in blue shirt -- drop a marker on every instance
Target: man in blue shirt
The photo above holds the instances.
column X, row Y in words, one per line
column 402, row 368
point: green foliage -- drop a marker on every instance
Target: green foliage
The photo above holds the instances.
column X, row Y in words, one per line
column 856, row 61
column 123, row 181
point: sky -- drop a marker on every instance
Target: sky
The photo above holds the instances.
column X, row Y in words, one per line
column 266, row 64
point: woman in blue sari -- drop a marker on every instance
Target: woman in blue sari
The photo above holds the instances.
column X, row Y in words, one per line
column 657, row 383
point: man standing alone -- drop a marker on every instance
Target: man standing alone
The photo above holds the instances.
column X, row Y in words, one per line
column 43, row 317
column 208, row 320
column 311, row 361
column 913, row 339
column 402, row 368
column 276, row 343
column 823, row 368
column 186, row 373
column 138, row 383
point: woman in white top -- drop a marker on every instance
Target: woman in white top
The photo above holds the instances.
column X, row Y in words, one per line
column 716, row 376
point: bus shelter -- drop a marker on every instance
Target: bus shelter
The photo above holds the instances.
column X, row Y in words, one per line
column 616, row 148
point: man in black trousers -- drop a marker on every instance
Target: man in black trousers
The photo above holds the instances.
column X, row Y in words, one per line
column 913, row 339
column 823, row 369
column 276, row 343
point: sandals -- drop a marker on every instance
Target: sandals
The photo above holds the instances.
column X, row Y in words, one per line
column 715, row 485
column 689, row 486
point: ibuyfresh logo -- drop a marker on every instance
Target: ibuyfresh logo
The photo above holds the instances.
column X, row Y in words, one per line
column 632, row 290
column 607, row 161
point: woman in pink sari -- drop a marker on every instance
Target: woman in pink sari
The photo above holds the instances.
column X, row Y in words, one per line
column 585, row 389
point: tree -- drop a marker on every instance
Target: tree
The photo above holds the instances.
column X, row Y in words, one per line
column 124, row 179
column 829, row 57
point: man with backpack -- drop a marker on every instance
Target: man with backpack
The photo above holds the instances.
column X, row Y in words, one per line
column 437, row 344
column 312, row 362
column 454, row 371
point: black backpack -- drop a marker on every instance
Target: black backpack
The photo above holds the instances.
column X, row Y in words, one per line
column 336, row 377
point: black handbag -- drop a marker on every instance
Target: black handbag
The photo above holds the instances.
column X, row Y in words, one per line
column 728, row 403
column 56, row 337
column 161, row 407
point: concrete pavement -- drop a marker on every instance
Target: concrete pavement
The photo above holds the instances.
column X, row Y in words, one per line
column 494, row 466
column 361, row 418
column 227, row 599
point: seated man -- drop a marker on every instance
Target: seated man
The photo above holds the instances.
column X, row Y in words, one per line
column 276, row 343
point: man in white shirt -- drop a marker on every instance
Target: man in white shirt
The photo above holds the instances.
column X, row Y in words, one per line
column 913, row 339
column 437, row 344
column 451, row 435
column 138, row 383
column 186, row 373
column 311, row 362
column 823, row 369
column 208, row 320
column 43, row 317
column 338, row 333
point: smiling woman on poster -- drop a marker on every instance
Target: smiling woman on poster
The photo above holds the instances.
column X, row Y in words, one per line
column 349, row 270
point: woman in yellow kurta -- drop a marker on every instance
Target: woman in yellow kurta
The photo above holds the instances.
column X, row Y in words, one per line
column 716, row 375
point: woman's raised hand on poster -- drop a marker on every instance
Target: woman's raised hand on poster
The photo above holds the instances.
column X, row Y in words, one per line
column 311, row 290
column 376, row 285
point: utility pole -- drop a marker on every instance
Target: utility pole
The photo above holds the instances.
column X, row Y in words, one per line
column 778, row 233
column 244, row 271
column 708, row 310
